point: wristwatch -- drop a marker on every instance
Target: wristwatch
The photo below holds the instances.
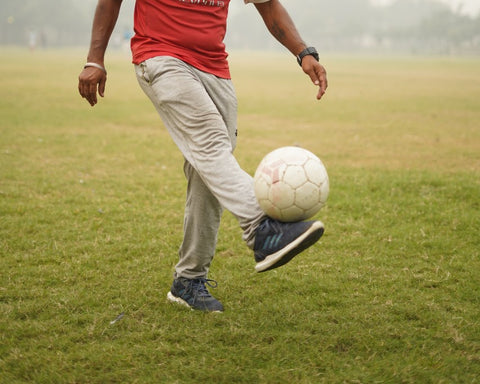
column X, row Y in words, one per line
column 306, row 52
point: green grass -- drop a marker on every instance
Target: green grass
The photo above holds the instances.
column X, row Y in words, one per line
column 91, row 207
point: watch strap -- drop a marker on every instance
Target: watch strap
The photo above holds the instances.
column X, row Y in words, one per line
column 310, row 51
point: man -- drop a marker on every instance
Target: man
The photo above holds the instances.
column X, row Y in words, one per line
column 181, row 64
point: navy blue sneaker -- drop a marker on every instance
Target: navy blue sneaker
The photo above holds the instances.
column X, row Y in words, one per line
column 194, row 294
column 276, row 243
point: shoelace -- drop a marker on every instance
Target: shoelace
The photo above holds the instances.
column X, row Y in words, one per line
column 198, row 286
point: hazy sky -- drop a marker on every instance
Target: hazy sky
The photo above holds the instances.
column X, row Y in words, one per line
column 471, row 7
column 468, row 6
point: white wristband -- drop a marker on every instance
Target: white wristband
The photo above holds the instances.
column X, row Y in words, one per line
column 96, row 66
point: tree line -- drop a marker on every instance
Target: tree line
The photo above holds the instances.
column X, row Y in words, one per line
column 416, row 26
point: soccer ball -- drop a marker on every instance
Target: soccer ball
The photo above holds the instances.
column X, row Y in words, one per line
column 291, row 184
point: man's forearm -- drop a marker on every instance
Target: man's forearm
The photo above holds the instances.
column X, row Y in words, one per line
column 281, row 26
column 106, row 15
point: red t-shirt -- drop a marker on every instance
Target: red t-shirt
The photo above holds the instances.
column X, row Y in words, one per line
column 190, row 30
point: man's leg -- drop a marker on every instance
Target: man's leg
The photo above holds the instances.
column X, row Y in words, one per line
column 200, row 131
column 201, row 221
column 206, row 138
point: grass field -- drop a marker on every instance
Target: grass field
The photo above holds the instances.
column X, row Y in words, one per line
column 91, row 207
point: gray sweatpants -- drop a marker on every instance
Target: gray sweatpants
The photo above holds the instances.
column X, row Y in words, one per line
column 199, row 111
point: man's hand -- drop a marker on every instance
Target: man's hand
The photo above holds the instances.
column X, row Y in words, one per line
column 90, row 80
column 317, row 74
column 281, row 26
column 94, row 76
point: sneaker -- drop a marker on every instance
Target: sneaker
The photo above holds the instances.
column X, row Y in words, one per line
column 276, row 243
column 193, row 293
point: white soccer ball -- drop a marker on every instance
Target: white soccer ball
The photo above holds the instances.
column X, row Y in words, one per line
column 291, row 184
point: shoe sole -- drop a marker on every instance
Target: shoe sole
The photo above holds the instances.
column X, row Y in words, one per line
column 178, row 300
column 287, row 253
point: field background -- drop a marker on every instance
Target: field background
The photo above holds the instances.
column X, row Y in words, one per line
column 91, row 207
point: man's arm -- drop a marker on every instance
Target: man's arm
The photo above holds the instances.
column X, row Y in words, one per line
column 93, row 78
column 281, row 26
